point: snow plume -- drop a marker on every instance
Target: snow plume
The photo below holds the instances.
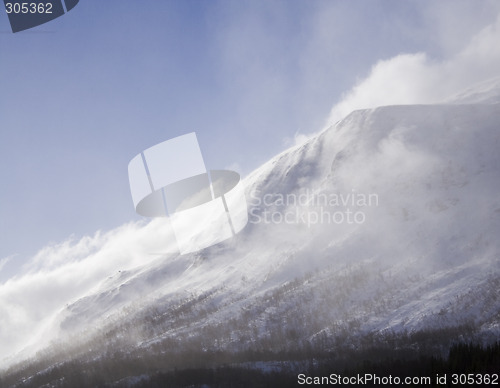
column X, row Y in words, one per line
column 60, row 274
column 4, row 261
column 418, row 79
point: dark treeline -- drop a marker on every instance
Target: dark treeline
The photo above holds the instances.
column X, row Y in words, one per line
column 221, row 369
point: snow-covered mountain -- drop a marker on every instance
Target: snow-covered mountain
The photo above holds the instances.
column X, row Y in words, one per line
column 387, row 222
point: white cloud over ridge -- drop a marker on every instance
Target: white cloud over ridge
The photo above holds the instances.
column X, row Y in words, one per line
column 418, row 79
column 60, row 274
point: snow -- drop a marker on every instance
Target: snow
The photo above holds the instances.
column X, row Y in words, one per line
column 422, row 258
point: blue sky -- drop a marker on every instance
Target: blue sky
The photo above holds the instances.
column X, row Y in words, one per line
column 82, row 95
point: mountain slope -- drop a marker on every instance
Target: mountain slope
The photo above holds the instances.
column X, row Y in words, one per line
column 435, row 173
column 386, row 223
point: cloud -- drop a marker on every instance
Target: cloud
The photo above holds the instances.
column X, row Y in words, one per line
column 417, row 79
column 4, row 261
column 62, row 273
column 297, row 139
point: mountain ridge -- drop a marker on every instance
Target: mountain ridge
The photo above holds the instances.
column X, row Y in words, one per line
column 452, row 179
column 425, row 256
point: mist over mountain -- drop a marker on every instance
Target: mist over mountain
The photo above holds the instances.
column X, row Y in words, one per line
column 385, row 224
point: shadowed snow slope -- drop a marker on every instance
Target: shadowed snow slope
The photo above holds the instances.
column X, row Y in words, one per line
column 387, row 221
